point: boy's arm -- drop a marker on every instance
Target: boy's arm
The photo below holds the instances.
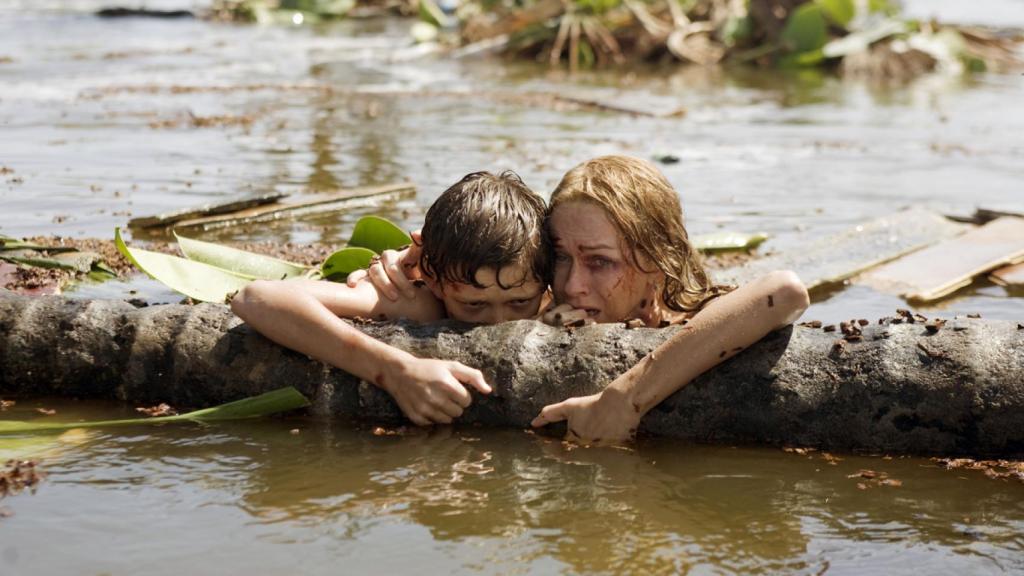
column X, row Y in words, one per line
column 303, row 316
column 730, row 323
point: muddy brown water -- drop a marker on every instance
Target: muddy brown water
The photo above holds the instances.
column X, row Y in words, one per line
column 102, row 120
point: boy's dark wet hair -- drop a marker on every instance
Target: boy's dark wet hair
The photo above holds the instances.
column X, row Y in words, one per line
column 485, row 220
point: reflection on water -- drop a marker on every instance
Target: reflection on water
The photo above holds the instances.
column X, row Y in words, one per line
column 254, row 496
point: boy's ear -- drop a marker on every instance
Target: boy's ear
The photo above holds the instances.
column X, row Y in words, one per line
column 436, row 288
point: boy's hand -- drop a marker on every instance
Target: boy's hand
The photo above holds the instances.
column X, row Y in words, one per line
column 393, row 273
column 564, row 315
column 433, row 391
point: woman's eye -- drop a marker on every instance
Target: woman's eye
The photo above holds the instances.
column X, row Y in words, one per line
column 561, row 257
column 600, row 262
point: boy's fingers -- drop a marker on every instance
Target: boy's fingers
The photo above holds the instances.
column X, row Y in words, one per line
column 550, row 413
column 417, row 237
column 380, row 279
column 457, row 393
column 471, row 376
column 354, row 277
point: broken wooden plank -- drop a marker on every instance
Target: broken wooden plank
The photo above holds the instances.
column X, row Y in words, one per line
column 319, row 205
column 234, row 205
column 841, row 256
column 940, row 270
column 1010, row 276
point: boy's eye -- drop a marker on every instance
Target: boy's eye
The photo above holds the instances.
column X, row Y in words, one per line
column 519, row 302
column 477, row 304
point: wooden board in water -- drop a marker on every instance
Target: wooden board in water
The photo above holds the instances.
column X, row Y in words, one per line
column 1011, row 276
column 232, row 205
column 940, row 270
column 835, row 258
column 318, row 205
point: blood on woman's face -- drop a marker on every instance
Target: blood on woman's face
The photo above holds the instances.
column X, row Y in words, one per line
column 592, row 268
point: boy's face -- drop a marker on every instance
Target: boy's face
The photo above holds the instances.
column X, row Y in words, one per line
column 492, row 303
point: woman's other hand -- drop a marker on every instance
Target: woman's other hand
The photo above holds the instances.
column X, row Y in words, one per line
column 565, row 315
column 604, row 418
column 432, row 391
column 394, row 272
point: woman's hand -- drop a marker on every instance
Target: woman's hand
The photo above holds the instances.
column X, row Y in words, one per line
column 394, row 272
column 432, row 391
column 604, row 418
column 565, row 315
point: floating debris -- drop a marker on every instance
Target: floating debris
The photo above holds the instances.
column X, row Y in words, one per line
column 995, row 469
column 811, row 324
column 17, row 475
column 161, row 409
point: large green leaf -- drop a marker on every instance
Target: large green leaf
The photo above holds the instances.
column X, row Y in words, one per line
column 727, row 241
column 805, row 29
column 239, row 261
column 841, row 12
column 378, row 234
column 196, row 280
column 337, row 266
column 280, row 400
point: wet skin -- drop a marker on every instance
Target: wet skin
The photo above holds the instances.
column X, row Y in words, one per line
column 595, row 272
column 490, row 302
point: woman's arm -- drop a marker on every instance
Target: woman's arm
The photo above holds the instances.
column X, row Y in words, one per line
column 304, row 316
column 727, row 325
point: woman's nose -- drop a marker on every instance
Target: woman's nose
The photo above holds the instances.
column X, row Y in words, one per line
column 576, row 284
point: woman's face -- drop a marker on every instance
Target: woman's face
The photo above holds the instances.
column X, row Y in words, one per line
column 592, row 269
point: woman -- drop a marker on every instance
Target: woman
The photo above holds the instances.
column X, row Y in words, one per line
column 621, row 253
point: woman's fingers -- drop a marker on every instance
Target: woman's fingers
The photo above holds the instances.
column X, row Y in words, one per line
column 354, row 277
column 470, row 376
column 380, row 279
column 552, row 413
column 564, row 314
column 393, row 263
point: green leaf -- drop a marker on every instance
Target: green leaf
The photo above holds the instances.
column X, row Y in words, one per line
column 337, row 266
column 841, row 12
column 239, row 261
column 861, row 40
column 64, row 260
column 280, row 400
column 727, row 241
column 196, row 280
column 805, row 29
column 378, row 234
column 432, row 14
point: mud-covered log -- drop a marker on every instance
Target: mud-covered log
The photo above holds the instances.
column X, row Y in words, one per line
column 902, row 388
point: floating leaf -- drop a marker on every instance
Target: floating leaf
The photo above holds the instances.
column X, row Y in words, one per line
column 239, row 261
column 805, row 29
column 727, row 241
column 280, row 400
column 196, row 280
column 841, row 12
column 860, row 40
column 339, row 265
column 378, row 234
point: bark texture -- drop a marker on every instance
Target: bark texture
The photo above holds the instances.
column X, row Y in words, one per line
column 900, row 389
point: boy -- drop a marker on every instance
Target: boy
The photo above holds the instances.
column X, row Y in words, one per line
column 483, row 260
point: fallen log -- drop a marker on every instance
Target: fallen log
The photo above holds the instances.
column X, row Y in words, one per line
column 953, row 389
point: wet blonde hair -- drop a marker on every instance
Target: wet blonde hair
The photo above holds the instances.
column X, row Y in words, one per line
column 646, row 210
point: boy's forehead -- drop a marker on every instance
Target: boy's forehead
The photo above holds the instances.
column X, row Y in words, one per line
column 514, row 277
